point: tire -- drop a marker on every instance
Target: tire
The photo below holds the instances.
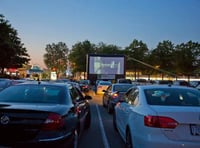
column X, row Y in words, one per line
column 129, row 143
column 88, row 120
column 74, row 143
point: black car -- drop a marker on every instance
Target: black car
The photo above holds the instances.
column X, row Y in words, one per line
column 113, row 94
column 4, row 83
column 38, row 114
column 84, row 85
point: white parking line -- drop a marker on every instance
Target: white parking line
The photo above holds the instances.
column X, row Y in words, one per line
column 105, row 140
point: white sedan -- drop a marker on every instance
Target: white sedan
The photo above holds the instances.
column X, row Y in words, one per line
column 102, row 85
column 159, row 116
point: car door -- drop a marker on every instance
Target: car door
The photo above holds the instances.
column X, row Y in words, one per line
column 121, row 110
column 127, row 108
column 81, row 106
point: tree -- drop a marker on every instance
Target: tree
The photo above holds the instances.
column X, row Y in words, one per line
column 136, row 50
column 13, row 54
column 163, row 57
column 102, row 48
column 56, row 57
column 187, row 57
column 78, row 55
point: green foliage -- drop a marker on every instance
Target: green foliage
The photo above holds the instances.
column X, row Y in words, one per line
column 78, row 55
column 136, row 50
column 56, row 57
column 13, row 54
column 166, row 58
column 187, row 58
column 162, row 55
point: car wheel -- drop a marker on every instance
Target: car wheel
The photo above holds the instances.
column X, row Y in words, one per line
column 128, row 140
column 88, row 120
column 74, row 143
column 114, row 121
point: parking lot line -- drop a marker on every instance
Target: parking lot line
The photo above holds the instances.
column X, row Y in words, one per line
column 104, row 137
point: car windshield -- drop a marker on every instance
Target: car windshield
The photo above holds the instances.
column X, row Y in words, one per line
column 173, row 97
column 33, row 94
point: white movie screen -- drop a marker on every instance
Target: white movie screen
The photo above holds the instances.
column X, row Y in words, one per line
column 106, row 65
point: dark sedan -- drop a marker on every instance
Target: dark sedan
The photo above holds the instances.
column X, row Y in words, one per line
column 40, row 114
column 4, row 83
column 113, row 94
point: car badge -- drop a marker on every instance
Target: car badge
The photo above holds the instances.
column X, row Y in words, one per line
column 4, row 120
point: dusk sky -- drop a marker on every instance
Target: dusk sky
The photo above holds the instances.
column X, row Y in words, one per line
column 117, row 22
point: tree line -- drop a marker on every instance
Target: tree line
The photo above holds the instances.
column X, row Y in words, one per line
column 167, row 58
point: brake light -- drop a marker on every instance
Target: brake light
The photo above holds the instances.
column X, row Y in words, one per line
column 160, row 122
column 54, row 121
column 85, row 86
column 115, row 95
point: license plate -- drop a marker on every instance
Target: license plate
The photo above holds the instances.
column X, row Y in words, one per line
column 195, row 130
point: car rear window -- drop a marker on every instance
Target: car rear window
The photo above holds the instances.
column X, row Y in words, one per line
column 122, row 88
column 33, row 94
column 173, row 97
column 104, row 83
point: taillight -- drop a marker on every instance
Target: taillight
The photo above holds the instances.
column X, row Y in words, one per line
column 85, row 86
column 160, row 122
column 115, row 95
column 53, row 122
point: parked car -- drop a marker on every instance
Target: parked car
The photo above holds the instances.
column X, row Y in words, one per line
column 194, row 83
column 155, row 116
column 181, row 83
column 122, row 80
column 198, row 87
column 113, row 94
column 38, row 114
column 84, row 85
column 161, row 82
column 102, row 85
column 4, row 83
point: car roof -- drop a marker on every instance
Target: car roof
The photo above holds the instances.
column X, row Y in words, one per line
column 43, row 83
column 163, row 86
column 122, row 84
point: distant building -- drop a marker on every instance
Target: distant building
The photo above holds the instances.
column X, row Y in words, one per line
column 35, row 72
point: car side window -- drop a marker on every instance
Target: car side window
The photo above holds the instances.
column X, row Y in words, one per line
column 75, row 94
column 133, row 97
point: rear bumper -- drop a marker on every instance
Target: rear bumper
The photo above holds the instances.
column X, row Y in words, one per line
column 67, row 139
column 157, row 141
column 169, row 144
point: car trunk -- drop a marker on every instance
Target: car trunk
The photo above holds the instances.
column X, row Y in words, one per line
column 188, row 118
column 18, row 123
